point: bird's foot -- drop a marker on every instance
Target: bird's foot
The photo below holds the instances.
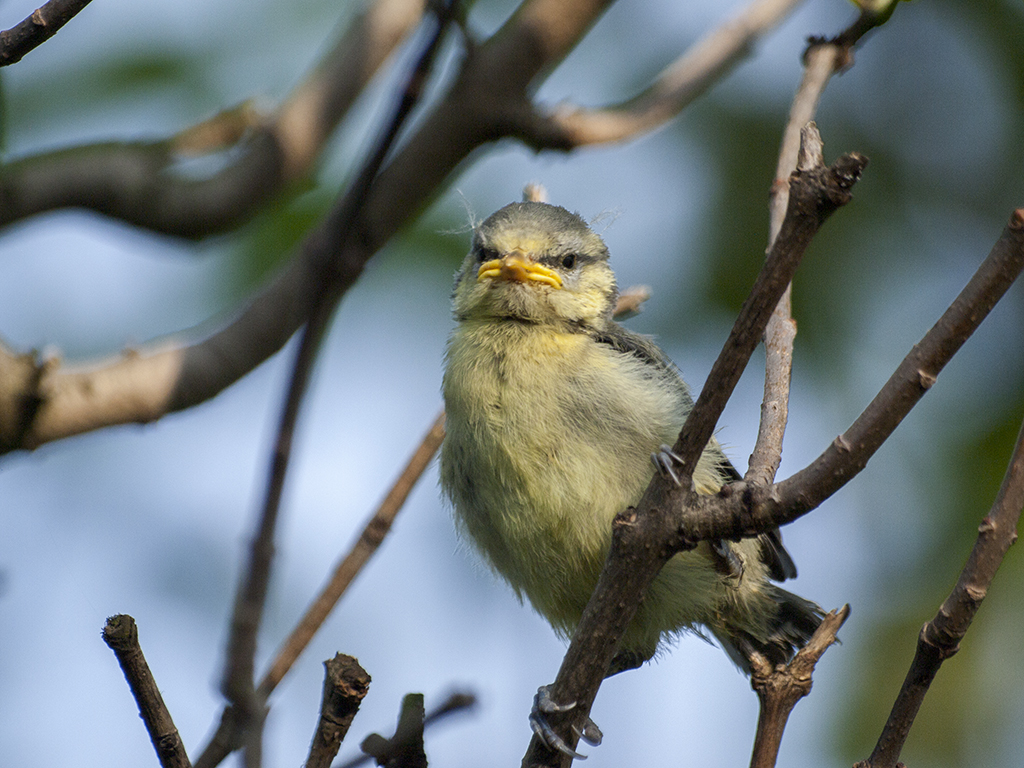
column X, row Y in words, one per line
column 544, row 705
column 727, row 561
column 665, row 461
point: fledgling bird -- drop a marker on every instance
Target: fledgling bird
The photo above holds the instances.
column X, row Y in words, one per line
column 553, row 413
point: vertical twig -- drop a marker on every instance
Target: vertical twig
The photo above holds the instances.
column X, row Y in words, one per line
column 456, row 702
column 346, row 684
column 779, row 689
column 820, row 63
column 405, row 748
column 122, row 636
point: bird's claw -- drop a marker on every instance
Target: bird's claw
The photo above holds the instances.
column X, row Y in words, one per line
column 665, row 461
column 727, row 561
column 544, row 705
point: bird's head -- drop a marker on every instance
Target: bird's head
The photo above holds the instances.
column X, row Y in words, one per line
column 536, row 263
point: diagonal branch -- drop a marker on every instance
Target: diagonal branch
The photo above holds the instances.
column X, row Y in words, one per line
column 136, row 182
column 940, row 638
column 822, row 59
column 815, row 193
column 686, row 79
column 121, row 634
column 43, row 24
column 352, row 564
column 746, row 509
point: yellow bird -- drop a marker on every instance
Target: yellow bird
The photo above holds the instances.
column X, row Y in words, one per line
column 554, row 415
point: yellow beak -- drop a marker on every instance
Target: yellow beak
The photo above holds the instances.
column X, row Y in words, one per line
column 520, row 268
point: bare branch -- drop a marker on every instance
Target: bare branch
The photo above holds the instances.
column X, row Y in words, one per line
column 349, row 567
column 849, row 453
column 779, row 689
column 815, row 193
column 225, row 738
column 345, row 686
column 819, row 65
column 489, row 99
column 137, row 182
column 122, row 636
column 405, row 748
column 456, row 702
column 687, row 78
column 940, row 638
column 43, row 24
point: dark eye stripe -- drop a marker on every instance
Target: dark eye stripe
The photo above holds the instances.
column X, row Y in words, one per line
column 485, row 254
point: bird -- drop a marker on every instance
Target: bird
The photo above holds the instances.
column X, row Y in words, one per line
column 557, row 417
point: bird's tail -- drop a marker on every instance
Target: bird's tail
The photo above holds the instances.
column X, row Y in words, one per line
column 787, row 632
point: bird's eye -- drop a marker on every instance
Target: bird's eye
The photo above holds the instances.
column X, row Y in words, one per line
column 569, row 261
column 486, row 254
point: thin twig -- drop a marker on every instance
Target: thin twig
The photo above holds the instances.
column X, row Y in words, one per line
column 849, row 453
column 322, row 248
column 43, row 24
column 822, row 60
column 405, row 748
column 346, row 684
column 780, row 688
column 815, row 193
column 350, row 566
column 819, row 65
column 122, row 636
column 456, row 702
column 940, row 638
column 706, row 62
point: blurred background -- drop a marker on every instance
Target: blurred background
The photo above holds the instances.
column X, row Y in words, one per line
column 152, row 520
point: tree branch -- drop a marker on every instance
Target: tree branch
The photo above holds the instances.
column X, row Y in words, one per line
column 346, row 684
column 815, row 193
column 940, row 638
column 706, row 62
column 137, row 182
column 744, row 509
column 780, row 688
column 850, row 452
column 405, row 748
column 122, row 636
column 456, row 702
column 819, row 65
column 372, row 536
column 43, row 24
column 225, row 738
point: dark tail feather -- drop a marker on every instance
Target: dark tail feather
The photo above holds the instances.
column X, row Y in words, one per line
column 788, row 632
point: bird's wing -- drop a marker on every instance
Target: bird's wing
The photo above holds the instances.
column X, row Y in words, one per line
column 773, row 552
